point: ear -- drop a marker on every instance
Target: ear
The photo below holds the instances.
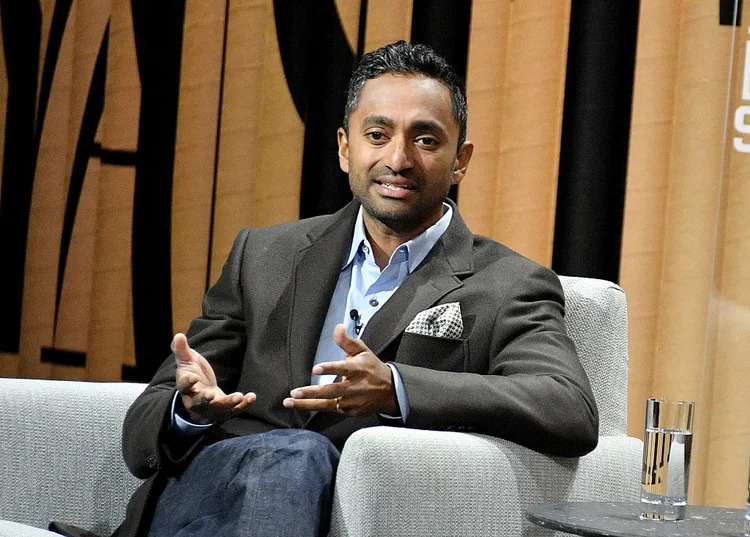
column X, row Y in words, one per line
column 343, row 150
column 462, row 162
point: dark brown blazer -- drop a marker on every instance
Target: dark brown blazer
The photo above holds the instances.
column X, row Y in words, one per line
column 513, row 374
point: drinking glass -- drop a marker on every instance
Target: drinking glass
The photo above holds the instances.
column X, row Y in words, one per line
column 667, row 446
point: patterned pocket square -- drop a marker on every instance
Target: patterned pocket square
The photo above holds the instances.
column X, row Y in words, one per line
column 441, row 321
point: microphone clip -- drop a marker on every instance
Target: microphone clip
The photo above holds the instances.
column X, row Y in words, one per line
column 357, row 318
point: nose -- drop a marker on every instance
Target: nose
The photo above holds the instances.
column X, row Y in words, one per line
column 399, row 157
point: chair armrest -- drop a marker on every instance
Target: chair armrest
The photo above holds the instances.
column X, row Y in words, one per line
column 61, row 452
column 13, row 529
column 394, row 481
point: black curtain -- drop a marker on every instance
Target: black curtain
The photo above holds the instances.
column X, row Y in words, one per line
column 158, row 30
column 317, row 64
column 595, row 137
column 444, row 26
column 22, row 31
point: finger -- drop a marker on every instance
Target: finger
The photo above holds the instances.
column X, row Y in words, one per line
column 323, row 391
column 351, row 346
column 186, row 382
column 248, row 399
column 181, row 349
column 318, row 405
column 215, row 405
column 198, row 406
column 241, row 401
column 204, row 397
column 226, row 406
column 220, row 408
column 343, row 368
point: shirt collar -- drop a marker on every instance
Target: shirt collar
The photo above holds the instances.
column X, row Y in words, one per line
column 416, row 249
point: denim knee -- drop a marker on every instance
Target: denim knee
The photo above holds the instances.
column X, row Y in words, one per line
column 258, row 482
column 297, row 444
column 306, row 445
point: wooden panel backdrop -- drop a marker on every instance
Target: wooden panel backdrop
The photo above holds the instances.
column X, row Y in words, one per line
column 238, row 159
column 727, row 369
column 683, row 258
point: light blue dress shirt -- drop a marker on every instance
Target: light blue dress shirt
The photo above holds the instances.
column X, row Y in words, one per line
column 362, row 288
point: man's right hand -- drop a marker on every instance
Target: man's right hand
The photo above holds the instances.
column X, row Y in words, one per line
column 201, row 395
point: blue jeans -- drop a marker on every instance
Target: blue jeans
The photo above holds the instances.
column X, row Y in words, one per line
column 278, row 483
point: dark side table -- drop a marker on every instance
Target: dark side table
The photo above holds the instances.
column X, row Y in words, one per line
column 596, row 519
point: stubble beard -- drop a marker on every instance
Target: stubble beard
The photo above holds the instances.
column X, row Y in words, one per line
column 401, row 220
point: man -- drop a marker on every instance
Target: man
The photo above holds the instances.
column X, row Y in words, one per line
column 387, row 312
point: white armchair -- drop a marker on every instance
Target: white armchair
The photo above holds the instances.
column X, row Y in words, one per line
column 408, row 482
column 60, row 454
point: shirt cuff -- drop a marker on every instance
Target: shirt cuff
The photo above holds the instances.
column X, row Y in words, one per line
column 182, row 426
column 403, row 402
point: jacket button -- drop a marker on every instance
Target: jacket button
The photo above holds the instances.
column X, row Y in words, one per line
column 152, row 462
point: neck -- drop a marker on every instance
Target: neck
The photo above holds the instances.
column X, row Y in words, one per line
column 384, row 239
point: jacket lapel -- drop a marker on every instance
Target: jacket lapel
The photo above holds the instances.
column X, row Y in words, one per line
column 439, row 274
column 318, row 266
column 420, row 290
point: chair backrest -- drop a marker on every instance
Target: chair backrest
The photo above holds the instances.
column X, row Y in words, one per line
column 596, row 319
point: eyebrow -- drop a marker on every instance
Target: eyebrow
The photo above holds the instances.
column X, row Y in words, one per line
column 378, row 120
column 428, row 126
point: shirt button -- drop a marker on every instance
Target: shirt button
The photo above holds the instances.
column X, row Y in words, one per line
column 374, row 302
column 365, row 249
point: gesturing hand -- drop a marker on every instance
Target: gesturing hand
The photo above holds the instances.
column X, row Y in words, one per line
column 366, row 385
column 196, row 382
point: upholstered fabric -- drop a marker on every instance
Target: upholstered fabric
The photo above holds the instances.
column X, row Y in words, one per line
column 596, row 319
column 14, row 529
column 414, row 483
column 60, row 455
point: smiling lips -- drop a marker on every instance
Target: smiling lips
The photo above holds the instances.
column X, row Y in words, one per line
column 391, row 189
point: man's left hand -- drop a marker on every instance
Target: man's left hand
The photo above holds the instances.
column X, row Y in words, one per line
column 366, row 385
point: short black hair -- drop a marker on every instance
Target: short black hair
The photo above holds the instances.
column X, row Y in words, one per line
column 408, row 59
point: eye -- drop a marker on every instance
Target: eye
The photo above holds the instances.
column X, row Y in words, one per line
column 376, row 136
column 427, row 141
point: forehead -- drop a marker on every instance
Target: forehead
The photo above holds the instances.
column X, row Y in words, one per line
column 406, row 98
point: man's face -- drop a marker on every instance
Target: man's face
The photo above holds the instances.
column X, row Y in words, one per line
column 401, row 153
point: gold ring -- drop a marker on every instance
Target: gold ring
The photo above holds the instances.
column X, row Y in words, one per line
column 338, row 408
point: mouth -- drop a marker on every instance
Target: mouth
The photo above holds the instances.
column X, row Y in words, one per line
column 394, row 186
column 395, row 190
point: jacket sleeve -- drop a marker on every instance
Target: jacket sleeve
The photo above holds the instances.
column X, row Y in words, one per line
column 219, row 334
column 535, row 391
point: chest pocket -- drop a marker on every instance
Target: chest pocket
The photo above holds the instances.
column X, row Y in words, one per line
column 439, row 353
